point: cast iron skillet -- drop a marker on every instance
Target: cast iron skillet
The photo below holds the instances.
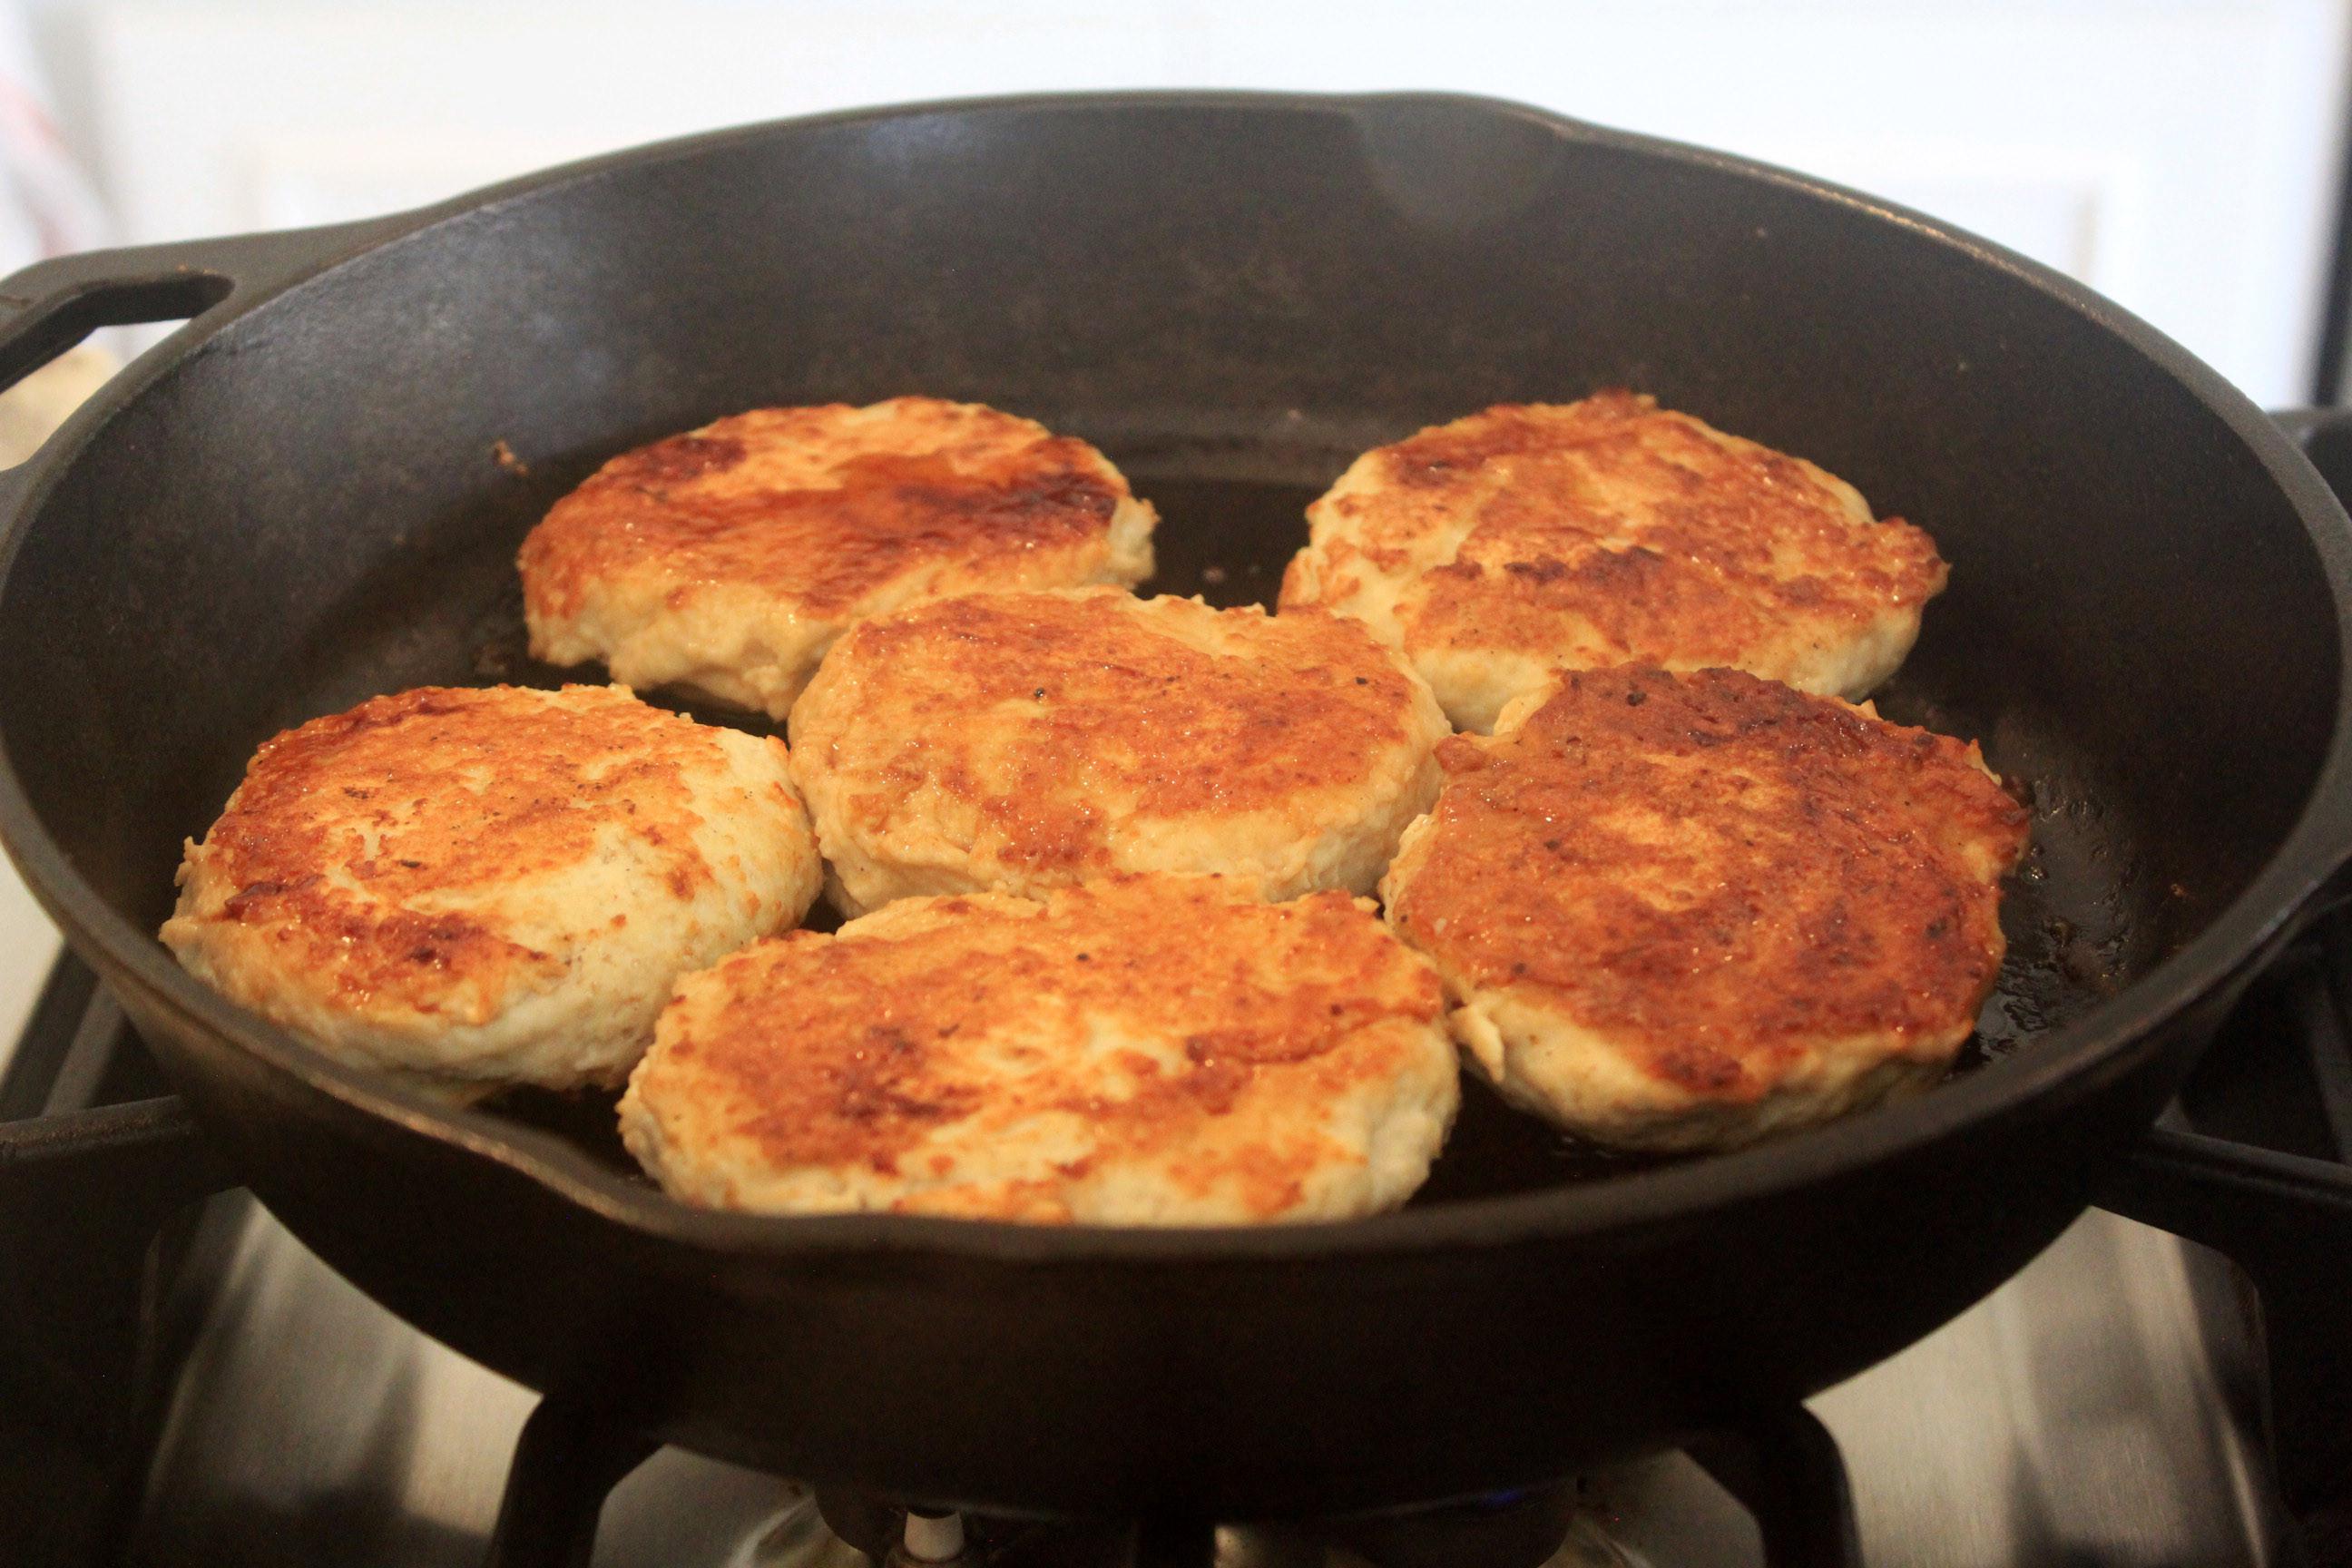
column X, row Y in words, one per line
column 294, row 502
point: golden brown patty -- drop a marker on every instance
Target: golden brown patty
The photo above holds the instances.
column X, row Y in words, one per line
column 728, row 559
column 1681, row 912
column 493, row 886
column 1503, row 546
column 1145, row 1051
column 1026, row 741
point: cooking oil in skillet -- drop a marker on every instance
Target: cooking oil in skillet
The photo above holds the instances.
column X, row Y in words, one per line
column 2067, row 912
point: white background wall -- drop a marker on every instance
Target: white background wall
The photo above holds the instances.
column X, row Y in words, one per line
column 2180, row 155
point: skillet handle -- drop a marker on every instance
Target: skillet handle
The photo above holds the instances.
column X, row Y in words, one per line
column 55, row 304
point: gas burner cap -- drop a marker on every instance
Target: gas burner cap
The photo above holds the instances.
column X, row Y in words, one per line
column 1541, row 1528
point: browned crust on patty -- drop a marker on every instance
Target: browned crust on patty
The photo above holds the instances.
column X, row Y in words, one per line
column 1044, row 709
column 786, row 501
column 1612, row 530
column 1714, row 870
column 352, row 833
column 847, row 1052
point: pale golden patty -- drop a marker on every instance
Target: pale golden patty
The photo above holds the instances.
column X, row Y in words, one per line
column 728, row 559
column 1683, row 912
column 495, row 886
column 1019, row 741
column 1144, row 1050
column 1529, row 536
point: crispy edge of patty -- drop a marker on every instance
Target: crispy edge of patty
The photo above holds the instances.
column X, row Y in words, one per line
column 1021, row 742
column 350, row 894
column 727, row 559
column 1505, row 544
column 1137, row 1050
column 1681, row 912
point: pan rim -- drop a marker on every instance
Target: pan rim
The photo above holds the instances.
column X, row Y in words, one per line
column 2107, row 1037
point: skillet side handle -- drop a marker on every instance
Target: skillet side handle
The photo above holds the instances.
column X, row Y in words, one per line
column 57, row 303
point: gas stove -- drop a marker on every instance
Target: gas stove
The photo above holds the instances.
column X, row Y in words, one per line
column 182, row 1384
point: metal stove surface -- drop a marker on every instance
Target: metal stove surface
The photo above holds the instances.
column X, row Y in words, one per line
column 2096, row 1412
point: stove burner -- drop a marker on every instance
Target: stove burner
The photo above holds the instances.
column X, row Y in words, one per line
column 1785, row 1470
column 1516, row 1530
column 1544, row 1528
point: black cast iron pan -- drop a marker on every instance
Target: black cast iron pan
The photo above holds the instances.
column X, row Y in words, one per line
column 294, row 502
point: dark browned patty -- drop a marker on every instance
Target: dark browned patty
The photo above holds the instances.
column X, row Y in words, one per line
column 1681, row 911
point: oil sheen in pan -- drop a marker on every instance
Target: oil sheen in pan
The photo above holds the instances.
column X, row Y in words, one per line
column 1227, row 538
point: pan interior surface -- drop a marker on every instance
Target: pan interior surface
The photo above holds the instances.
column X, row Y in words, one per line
column 322, row 501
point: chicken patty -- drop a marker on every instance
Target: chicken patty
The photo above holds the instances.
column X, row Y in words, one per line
column 475, row 888
column 1018, row 741
column 1142, row 1050
column 727, row 560
column 1684, row 912
column 1501, row 547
